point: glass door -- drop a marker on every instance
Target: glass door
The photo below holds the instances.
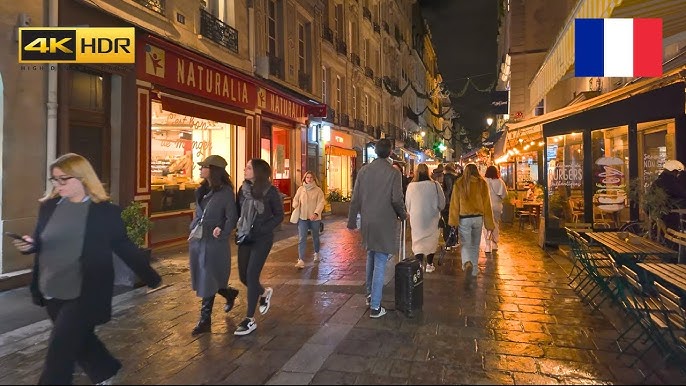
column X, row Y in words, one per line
column 565, row 193
column 610, row 152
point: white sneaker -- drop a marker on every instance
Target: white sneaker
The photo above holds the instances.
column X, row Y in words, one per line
column 266, row 300
column 368, row 301
column 247, row 326
column 316, row 257
column 300, row 264
column 430, row 268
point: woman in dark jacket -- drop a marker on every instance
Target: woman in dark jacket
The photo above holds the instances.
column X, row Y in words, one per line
column 210, row 255
column 261, row 209
column 78, row 230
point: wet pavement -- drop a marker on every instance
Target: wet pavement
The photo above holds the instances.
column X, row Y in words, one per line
column 519, row 323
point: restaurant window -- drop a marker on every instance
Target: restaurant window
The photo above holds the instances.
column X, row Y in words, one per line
column 565, row 157
column 178, row 143
column 610, row 151
column 656, row 144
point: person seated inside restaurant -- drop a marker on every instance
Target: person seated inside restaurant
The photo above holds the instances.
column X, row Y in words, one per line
column 532, row 193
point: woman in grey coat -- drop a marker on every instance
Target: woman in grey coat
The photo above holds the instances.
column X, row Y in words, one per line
column 210, row 256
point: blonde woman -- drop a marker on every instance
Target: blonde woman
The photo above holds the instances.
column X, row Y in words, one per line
column 78, row 230
column 309, row 199
column 470, row 211
column 424, row 202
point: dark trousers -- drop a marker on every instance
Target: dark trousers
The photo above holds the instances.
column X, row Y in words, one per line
column 251, row 259
column 73, row 340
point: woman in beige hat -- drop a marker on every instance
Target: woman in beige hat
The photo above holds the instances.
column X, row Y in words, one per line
column 210, row 255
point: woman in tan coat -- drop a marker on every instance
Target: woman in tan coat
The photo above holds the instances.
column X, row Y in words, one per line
column 309, row 200
column 470, row 210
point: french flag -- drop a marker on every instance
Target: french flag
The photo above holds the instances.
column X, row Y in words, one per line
column 618, row 47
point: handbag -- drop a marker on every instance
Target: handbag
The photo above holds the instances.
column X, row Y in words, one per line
column 244, row 239
column 196, row 232
column 295, row 215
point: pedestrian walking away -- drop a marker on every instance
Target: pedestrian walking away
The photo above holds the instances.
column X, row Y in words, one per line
column 449, row 178
column 378, row 198
column 209, row 251
column 308, row 205
column 497, row 191
column 260, row 209
column 470, row 211
column 424, row 202
column 77, row 231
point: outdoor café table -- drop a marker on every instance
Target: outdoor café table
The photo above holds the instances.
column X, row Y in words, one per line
column 669, row 274
column 627, row 251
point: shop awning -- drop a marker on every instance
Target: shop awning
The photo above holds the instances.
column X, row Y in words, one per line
column 339, row 151
column 560, row 58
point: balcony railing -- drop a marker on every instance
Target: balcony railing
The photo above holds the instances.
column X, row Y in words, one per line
column 377, row 81
column 355, row 59
column 358, row 124
column 327, row 34
column 305, row 81
column 341, row 46
column 377, row 131
column 275, row 66
column 369, row 129
column 330, row 114
column 366, row 13
column 377, row 27
column 218, row 31
column 369, row 73
column 344, row 120
column 386, row 27
column 153, row 5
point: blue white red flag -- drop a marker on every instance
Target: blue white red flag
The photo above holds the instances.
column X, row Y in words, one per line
column 618, row 47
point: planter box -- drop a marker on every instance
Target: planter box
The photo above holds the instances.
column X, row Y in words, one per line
column 340, row 208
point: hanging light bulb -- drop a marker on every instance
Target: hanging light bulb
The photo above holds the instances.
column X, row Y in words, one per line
column 541, row 143
column 532, row 143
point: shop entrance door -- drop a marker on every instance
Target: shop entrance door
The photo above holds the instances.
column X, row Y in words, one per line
column 565, row 193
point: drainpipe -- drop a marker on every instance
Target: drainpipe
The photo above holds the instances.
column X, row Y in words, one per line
column 51, row 135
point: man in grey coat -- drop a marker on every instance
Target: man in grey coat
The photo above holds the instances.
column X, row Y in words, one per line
column 378, row 198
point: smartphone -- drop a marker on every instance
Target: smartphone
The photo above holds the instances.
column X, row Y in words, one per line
column 16, row 236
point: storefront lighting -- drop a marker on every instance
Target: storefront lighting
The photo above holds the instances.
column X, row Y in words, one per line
column 526, row 147
column 521, row 140
column 556, row 139
column 489, row 121
column 516, row 151
column 532, row 143
column 541, row 143
column 510, row 152
column 326, row 133
column 423, row 133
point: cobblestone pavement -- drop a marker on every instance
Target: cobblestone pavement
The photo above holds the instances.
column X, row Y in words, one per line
column 518, row 324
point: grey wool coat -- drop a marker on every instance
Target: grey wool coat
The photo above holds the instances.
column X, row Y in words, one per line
column 378, row 198
column 210, row 257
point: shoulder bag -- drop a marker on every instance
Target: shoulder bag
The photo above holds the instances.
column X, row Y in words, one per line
column 196, row 232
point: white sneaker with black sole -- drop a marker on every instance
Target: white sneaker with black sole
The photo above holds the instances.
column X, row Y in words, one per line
column 247, row 326
column 266, row 300
column 368, row 301
column 377, row 313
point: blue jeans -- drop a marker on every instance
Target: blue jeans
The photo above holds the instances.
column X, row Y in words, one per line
column 470, row 237
column 376, row 268
column 303, row 226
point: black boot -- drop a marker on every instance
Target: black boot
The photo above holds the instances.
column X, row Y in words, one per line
column 205, row 322
column 230, row 294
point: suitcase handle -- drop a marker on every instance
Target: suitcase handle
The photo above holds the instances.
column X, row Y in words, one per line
column 401, row 247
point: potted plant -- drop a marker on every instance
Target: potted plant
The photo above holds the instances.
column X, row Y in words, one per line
column 654, row 203
column 340, row 205
column 137, row 227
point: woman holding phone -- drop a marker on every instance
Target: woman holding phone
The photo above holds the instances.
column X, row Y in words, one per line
column 78, row 229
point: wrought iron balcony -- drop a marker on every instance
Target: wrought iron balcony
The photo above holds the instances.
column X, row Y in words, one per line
column 305, row 81
column 341, row 46
column 377, row 27
column 358, row 124
column 377, row 131
column 391, row 82
column 344, row 120
column 377, row 81
column 330, row 114
column 153, row 5
column 366, row 13
column 369, row 129
column 327, row 34
column 369, row 73
column 218, row 31
column 275, row 66
column 386, row 27
column 355, row 59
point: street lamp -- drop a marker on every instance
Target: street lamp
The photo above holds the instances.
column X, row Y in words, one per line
column 423, row 133
column 489, row 121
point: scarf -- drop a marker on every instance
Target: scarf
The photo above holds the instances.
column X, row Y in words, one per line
column 250, row 208
column 309, row 186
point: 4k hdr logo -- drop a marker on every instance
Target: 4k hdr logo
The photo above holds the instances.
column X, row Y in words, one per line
column 77, row 45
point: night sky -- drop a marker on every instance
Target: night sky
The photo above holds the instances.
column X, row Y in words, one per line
column 464, row 33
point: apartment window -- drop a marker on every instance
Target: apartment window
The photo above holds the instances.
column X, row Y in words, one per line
column 540, row 108
column 301, row 48
column 365, row 53
column 325, row 77
column 339, row 108
column 354, row 102
column 338, row 20
column 223, row 10
column 271, row 28
column 375, row 117
column 365, row 112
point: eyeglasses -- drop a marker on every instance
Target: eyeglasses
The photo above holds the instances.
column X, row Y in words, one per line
column 62, row 180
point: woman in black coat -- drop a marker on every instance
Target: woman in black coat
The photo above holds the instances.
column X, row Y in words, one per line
column 78, row 229
column 261, row 210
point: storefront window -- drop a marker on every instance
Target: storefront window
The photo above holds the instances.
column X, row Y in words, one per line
column 610, row 150
column 656, row 145
column 178, row 143
column 565, row 180
column 507, row 174
column 339, row 174
column 281, row 159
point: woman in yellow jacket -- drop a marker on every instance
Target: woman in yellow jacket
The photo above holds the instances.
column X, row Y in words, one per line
column 470, row 211
column 309, row 200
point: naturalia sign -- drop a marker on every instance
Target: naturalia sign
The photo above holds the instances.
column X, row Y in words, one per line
column 618, row 47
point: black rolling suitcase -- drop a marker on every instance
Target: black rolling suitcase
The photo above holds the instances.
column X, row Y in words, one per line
column 409, row 281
